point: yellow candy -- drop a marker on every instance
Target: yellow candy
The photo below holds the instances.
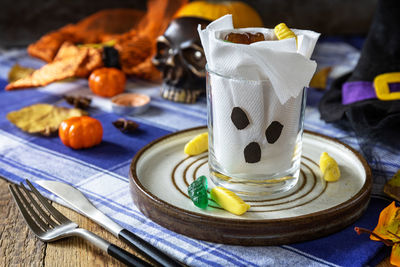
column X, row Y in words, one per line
column 329, row 168
column 229, row 200
column 283, row 32
column 197, row 145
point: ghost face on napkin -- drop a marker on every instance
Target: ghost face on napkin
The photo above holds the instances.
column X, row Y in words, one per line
column 252, row 132
column 262, row 83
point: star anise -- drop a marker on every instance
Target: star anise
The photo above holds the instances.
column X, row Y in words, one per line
column 78, row 101
column 125, row 126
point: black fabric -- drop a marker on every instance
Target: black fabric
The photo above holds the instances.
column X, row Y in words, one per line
column 372, row 118
column 330, row 106
column 381, row 50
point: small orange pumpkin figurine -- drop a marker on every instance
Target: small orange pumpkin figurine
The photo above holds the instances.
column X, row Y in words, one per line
column 107, row 82
column 80, row 132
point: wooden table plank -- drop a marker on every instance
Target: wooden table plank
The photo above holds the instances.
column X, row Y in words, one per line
column 20, row 247
column 16, row 239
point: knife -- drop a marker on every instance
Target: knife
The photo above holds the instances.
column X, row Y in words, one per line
column 77, row 200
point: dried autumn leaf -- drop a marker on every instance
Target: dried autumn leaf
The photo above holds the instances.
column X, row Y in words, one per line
column 67, row 50
column 18, row 72
column 92, row 61
column 54, row 71
column 395, row 256
column 93, row 29
column 47, row 47
column 389, row 222
column 42, row 118
column 392, row 187
column 320, row 78
column 387, row 231
column 70, row 61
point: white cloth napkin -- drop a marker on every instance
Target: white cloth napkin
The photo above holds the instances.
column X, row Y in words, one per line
column 266, row 81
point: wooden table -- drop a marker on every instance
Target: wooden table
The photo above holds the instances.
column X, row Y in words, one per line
column 20, row 247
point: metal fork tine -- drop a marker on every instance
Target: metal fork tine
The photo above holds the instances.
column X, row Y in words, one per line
column 56, row 214
column 39, row 208
column 28, row 207
column 31, row 223
column 67, row 228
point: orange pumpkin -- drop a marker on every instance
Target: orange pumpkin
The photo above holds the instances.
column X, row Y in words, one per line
column 107, row 82
column 243, row 15
column 80, row 132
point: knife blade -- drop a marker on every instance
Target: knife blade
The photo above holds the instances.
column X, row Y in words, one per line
column 77, row 200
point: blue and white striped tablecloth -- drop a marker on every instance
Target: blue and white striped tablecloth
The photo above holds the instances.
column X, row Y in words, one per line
column 101, row 173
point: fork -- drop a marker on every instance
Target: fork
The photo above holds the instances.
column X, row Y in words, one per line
column 51, row 225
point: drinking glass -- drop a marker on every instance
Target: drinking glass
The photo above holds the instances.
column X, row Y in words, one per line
column 255, row 142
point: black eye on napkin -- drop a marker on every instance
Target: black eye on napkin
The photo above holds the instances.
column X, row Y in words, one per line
column 369, row 116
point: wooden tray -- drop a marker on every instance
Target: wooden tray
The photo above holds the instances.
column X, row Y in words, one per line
column 160, row 173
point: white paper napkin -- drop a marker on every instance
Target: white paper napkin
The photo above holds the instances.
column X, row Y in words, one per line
column 264, row 79
column 262, row 107
column 284, row 63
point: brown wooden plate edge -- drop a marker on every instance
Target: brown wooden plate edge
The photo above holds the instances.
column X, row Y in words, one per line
column 238, row 232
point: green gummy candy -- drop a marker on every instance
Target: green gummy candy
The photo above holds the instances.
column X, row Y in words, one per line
column 197, row 191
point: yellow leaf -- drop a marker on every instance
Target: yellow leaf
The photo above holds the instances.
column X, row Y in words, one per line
column 320, row 78
column 392, row 187
column 395, row 256
column 42, row 118
column 387, row 231
column 388, row 223
column 18, row 72
column 395, row 181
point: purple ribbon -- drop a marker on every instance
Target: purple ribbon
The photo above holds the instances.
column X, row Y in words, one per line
column 357, row 91
column 362, row 90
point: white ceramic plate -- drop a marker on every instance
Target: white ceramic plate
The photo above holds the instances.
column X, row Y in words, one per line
column 161, row 173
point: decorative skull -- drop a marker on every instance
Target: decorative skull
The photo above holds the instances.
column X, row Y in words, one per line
column 180, row 57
